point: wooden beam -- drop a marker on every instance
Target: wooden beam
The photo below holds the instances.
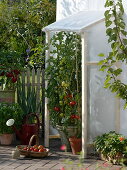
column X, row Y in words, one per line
column 46, row 139
column 117, row 105
column 84, row 94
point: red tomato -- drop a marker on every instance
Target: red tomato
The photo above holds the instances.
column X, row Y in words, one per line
column 72, row 116
column 41, row 150
column 77, row 117
column 31, row 149
column 72, row 103
column 57, row 109
column 35, row 150
column 40, row 147
column 25, row 148
column 35, row 146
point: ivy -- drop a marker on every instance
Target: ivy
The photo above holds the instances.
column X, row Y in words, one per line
column 116, row 32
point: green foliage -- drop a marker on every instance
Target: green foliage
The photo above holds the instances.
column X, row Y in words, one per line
column 64, row 79
column 21, row 24
column 27, row 100
column 115, row 30
column 113, row 146
column 10, row 111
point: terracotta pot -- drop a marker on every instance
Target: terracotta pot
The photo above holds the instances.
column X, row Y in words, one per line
column 76, row 145
column 6, row 139
column 65, row 134
column 7, row 96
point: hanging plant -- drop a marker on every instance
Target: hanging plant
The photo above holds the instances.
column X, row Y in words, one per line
column 112, row 64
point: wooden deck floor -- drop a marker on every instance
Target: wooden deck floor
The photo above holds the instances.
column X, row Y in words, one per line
column 57, row 160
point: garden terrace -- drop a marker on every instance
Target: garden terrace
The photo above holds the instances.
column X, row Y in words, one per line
column 56, row 160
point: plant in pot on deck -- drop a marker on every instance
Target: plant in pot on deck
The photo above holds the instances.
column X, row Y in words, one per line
column 64, row 84
column 76, row 140
column 9, row 111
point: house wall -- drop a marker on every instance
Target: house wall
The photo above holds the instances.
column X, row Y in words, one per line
column 101, row 102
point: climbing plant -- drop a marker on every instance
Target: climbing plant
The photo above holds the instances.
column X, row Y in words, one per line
column 64, row 79
column 116, row 32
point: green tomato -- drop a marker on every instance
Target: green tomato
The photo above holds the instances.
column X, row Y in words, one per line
column 64, row 84
column 60, row 102
column 61, row 115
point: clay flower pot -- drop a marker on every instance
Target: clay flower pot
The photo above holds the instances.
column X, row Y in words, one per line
column 6, row 139
column 7, row 96
column 76, row 145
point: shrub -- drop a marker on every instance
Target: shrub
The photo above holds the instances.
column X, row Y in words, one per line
column 112, row 146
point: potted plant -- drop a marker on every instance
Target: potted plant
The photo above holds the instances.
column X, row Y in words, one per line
column 64, row 84
column 9, row 111
column 76, row 140
column 112, row 147
column 11, row 64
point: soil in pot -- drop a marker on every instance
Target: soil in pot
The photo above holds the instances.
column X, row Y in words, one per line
column 76, row 145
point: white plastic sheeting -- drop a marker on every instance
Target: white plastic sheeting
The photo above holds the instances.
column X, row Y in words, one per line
column 101, row 102
column 77, row 22
column 101, row 105
column 66, row 8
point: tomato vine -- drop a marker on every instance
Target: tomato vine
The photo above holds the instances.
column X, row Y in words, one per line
column 64, row 78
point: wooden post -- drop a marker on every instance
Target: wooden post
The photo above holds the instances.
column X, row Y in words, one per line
column 117, row 115
column 117, row 105
column 84, row 94
column 46, row 99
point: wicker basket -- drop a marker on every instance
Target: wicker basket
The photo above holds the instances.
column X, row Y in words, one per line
column 32, row 153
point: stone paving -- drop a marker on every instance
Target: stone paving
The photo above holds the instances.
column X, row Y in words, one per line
column 57, row 160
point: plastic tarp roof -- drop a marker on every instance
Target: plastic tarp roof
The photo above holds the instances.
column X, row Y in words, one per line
column 77, row 22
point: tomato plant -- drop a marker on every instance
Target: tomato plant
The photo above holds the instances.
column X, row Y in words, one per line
column 64, row 79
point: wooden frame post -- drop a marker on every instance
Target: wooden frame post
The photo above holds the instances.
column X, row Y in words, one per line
column 84, row 94
column 117, row 105
column 117, row 115
column 46, row 128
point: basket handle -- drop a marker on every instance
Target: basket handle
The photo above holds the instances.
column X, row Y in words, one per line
column 32, row 114
column 31, row 140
